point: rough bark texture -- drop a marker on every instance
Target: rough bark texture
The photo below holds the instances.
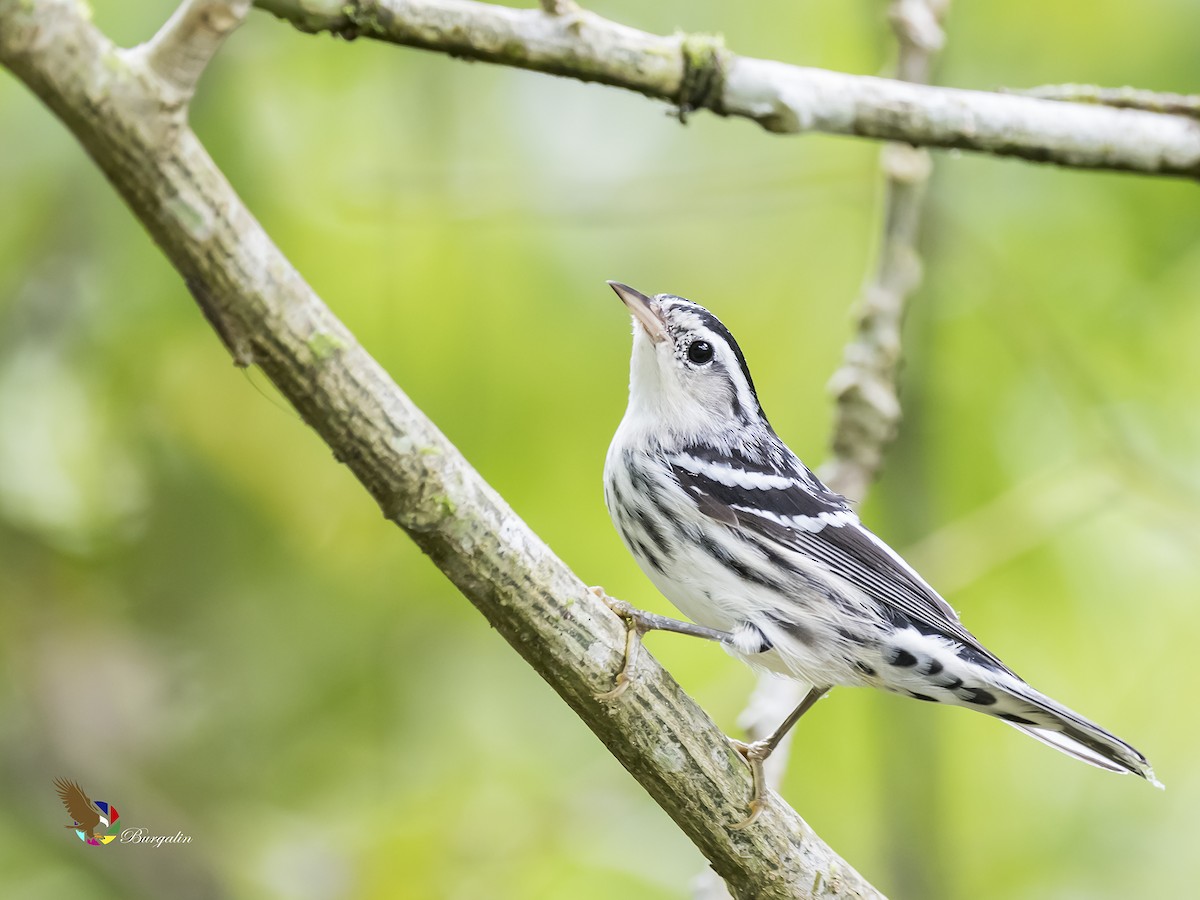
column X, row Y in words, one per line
column 697, row 72
column 128, row 110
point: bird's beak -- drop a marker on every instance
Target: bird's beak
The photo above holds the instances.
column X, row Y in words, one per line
column 639, row 305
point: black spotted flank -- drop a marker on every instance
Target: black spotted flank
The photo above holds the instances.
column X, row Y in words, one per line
column 924, row 697
column 902, row 659
column 738, row 566
column 652, row 559
column 932, row 667
column 865, row 669
column 653, row 530
column 978, row 696
column 640, row 477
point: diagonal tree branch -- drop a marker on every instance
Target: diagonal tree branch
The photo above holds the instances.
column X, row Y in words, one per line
column 115, row 103
column 697, row 72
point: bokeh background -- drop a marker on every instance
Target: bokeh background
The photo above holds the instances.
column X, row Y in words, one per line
column 207, row 622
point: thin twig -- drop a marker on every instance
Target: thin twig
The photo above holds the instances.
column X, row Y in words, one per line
column 1121, row 98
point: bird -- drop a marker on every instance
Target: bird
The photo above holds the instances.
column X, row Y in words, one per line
column 86, row 814
column 742, row 537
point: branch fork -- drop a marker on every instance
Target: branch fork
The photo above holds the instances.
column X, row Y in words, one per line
column 182, row 49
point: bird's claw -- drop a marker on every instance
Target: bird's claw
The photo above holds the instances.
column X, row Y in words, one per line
column 754, row 754
column 634, row 628
column 622, row 683
column 626, row 611
column 756, row 808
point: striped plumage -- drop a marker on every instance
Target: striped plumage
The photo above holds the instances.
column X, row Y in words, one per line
column 738, row 534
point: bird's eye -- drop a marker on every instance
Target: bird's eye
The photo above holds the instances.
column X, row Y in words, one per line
column 700, row 352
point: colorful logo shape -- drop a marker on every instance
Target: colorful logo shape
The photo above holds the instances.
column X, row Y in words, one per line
column 94, row 821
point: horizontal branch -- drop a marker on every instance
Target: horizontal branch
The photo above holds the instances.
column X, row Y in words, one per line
column 697, row 72
column 268, row 316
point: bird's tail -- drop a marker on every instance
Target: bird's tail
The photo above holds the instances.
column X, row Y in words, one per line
column 1063, row 729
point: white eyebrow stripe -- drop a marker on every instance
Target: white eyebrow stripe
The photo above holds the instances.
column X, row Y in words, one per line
column 747, row 400
column 738, row 376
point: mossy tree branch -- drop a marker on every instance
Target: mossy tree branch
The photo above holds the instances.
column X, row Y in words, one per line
column 128, row 110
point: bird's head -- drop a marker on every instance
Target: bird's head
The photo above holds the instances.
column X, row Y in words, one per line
column 687, row 375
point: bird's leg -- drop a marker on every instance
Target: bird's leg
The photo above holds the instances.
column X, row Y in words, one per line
column 756, row 753
column 637, row 623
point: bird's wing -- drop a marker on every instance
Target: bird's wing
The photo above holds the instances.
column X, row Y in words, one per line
column 79, row 805
column 793, row 509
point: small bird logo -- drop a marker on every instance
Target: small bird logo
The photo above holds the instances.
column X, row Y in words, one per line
column 91, row 820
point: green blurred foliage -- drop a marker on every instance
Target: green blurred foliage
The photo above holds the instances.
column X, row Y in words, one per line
column 207, row 622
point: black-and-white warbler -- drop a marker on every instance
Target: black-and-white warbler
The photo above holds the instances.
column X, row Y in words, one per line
column 739, row 535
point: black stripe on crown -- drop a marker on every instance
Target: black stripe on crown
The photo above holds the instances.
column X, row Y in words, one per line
column 713, row 324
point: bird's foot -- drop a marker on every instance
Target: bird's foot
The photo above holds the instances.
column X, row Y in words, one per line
column 755, row 754
column 635, row 627
column 637, row 623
